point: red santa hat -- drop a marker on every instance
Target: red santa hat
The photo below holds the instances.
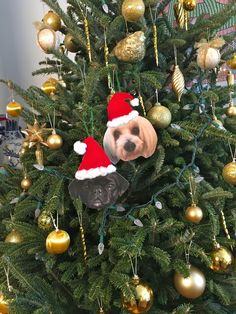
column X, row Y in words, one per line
column 120, row 109
column 95, row 162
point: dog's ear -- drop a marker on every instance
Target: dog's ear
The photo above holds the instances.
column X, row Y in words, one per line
column 123, row 184
column 149, row 137
column 74, row 188
column 109, row 146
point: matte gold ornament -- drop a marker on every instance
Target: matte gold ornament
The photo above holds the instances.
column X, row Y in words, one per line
column 132, row 48
column 14, row 237
column 101, row 311
column 192, row 286
column 229, row 173
column 231, row 110
column 232, row 62
column 189, row 5
column 4, row 307
column 194, row 213
column 70, row 43
column 180, row 15
column 14, row 109
column 57, row 242
column 47, row 39
column 143, row 299
column 52, row 20
column 208, row 55
column 230, row 79
column 132, row 10
column 26, row 183
column 159, row 116
column 54, row 140
column 178, row 82
column 222, row 258
column 45, row 221
column 49, row 87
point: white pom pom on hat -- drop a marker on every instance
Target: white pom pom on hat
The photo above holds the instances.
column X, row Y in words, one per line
column 80, row 148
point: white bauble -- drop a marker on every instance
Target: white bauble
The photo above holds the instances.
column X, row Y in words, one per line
column 208, row 58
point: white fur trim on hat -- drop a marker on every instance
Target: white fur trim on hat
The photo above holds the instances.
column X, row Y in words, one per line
column 80, row 147
column 134, row 102
column 94, row 172
column 122, row 120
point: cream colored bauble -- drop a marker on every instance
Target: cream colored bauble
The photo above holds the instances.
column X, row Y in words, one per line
column 208, row 58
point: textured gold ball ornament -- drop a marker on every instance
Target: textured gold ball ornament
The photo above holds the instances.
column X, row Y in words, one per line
column 159, row 116
column 14, row 109
column 232, row 62
column 208, row 58
column 52, row 20
column 25, row 183
column 47, row 39
column 178, row 82
column 4, row 308
column 132, row 48
column 132, row 10
column 57, row 242
column 192, row 286
column 189, row 5
column 70, row 43
column 229, row 173
column 194, row 213
column 54, row 140
column 231, row 110
column 222, row 258
column 49, row 87
column 14, row 237
column 45, row 221
column 143, row 299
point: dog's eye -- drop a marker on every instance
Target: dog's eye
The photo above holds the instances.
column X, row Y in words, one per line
column 116, row 135
column 135, row 131
column 110, row 186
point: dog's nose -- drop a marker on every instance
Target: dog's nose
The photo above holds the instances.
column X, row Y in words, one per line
column 98, row 191
column 129, row 146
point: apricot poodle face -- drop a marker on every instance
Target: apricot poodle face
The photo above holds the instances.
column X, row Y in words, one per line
column 130, row 141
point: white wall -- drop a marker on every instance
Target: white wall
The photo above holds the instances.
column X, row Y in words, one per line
column 19, row 54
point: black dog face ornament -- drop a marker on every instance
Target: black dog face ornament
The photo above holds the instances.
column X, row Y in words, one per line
column 96, row 182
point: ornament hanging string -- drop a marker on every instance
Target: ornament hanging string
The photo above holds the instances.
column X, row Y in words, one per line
column 233, row 155
column 100, row 304
column 187, row 252
column 175, row 55
column 134, row 265
column 7, row 271
column 55, row 222
column 192, row 185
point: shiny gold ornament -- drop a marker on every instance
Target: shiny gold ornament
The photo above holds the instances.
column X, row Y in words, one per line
column 25, row 183
column 132, row 10
column 47, row 39
column 52, row 20
column 101, row 311
column 14, row 109
column 143, row 299
column 230, row 79
column 4, row 307
column 217, row 121
column 132, row 48
column 189, row 5
column 70, row 43
column 193, row 213
column 178, row 82
column 229, row 173
column 45, row 221
column 192, row 286
column 14, row 237
column 57, row 242
column 232, row 62
column 49, row 87
column 159, row 116
column 222, row 258
column 179, row 12
column 231, row 110
column 54, row 140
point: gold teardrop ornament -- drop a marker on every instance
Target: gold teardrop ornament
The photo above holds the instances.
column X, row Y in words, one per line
column 178, row 82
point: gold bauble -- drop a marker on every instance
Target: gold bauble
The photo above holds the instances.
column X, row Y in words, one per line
column 230, row 79
column 49, row 87
column 232, row 62
column 193, row 214
column 132, row 48
column 4, row 308
column 54, row 141
column 192, row 286
column 159, row 116
column 222, row 259
column 178, row 82
column 101, row 311
column 189, row 5
column 14, row 237
column 70, row 43
column 52, row 20
column 229, row 173
column 57, row 242
column 208, row 58
column 47, row 39
column 132, row 10
column 14, row 109
column 45, row 221
column 231, row 110
column 25, row 184
column 143, row 299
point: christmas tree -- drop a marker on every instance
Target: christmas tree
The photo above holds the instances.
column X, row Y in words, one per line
column 144, row 220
